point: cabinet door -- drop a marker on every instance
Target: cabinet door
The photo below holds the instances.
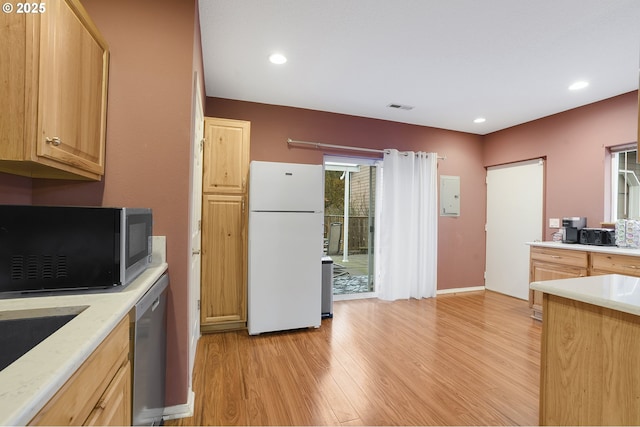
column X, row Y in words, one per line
column 224, row 254
column 226, row 156
column 541, row 271
column 73, row 88
column 76, row 400
column 114, row 407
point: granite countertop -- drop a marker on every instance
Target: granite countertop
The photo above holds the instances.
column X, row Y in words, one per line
column 589, row 248
column 613, row 291
column 29, row 383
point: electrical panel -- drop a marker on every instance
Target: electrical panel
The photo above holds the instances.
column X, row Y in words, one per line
column 449, row 195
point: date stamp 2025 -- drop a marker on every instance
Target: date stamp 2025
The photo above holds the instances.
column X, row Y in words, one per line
column 24, row 8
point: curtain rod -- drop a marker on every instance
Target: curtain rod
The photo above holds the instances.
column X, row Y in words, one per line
column 342, row 147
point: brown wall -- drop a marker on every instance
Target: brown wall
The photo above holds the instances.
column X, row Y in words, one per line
column 575, row 146
column 149, row 123
column 15, row 190
column 460, row 240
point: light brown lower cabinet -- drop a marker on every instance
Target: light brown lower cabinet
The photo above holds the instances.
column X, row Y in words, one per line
column 99, row 393
column 557, row 263
column 553, row 264
column 602, row 263
column 589, row 372
column 113, row 408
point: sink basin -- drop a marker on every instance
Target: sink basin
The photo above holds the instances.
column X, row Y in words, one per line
column 21, row 330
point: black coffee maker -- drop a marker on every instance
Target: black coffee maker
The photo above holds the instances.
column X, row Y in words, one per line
column 571, row 227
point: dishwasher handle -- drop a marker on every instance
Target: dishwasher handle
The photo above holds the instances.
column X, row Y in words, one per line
column 151, row 299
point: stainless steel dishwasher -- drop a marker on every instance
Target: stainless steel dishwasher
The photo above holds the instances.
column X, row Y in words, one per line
column 149, row 354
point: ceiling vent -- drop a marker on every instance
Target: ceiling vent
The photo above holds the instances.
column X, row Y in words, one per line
column 400, row 107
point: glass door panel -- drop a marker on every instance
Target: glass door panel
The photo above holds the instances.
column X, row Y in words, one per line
column 349, row 224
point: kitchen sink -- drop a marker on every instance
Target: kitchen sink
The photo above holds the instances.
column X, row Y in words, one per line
column 21, row 330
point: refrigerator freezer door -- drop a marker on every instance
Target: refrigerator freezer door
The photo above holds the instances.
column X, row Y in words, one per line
column 285, row 272
column 286, row 187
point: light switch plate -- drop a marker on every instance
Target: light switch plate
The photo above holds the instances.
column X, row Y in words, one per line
column 554, row 222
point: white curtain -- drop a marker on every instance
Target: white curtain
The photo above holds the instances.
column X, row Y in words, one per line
column 407, row 226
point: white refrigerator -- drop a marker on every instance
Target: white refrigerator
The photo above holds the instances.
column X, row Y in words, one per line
column 285, row 246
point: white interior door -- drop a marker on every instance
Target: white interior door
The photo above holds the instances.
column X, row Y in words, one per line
column 195, row 221
column 514, row 216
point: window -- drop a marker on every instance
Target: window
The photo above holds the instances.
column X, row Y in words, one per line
column 625, row 183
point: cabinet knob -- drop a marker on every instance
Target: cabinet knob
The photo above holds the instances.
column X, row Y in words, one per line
column 101, row 404
column 55, row 141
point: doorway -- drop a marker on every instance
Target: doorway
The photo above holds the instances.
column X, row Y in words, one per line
column 514, row 217
column 349, row 220
column 195, row 217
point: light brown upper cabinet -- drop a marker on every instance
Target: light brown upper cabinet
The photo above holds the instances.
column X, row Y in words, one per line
column 226, row 156
column 53, row 77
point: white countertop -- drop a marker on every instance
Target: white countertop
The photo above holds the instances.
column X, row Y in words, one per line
column 27, row 384
column 614, row 291
column 589, row 248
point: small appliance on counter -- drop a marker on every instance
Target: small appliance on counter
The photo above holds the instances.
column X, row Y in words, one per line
column 571, row 227
column 55, row 248
column 628, row 233
column 597, row 236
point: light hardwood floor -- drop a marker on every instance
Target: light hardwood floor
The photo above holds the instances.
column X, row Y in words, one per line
column 462, row 359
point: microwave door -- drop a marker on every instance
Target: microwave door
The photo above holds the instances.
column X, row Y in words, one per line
column 137, row 246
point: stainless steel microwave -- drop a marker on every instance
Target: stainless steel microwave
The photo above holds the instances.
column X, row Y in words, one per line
column 45, row 248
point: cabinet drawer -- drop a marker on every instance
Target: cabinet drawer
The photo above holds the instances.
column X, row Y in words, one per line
column 114, row 407
column 75, row 401
column 560, row 256
column 620, row 264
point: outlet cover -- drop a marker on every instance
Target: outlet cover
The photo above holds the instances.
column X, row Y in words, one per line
column 554, row 222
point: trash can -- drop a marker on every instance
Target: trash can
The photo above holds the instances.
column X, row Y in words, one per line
column 327, row 287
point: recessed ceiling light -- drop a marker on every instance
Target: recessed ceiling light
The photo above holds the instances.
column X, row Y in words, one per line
column 579, row 85
column 277, row 58
column 480, row 120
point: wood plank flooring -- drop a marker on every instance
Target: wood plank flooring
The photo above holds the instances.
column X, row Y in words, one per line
column 460, row 359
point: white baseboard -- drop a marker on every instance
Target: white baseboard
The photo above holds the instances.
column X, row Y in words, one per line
column 361, row 295
column 184, row 410
column 456, row 290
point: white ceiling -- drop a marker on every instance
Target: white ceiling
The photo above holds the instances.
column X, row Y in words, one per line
column 510, row 61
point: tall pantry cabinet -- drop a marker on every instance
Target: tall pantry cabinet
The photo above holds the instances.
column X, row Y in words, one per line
column 223, row 293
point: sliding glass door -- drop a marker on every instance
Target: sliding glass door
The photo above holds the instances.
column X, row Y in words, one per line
column 349, row 224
